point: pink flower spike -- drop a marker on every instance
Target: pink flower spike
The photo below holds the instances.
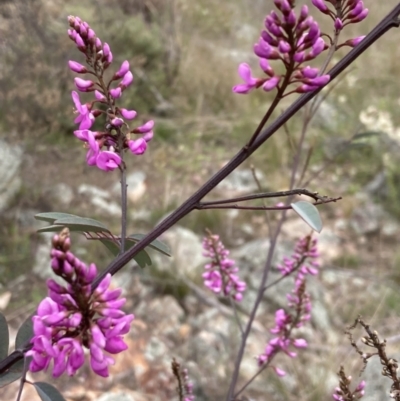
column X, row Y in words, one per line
column 128, row 114
column 76, row 67
column 99, row 96
column 122, row 70
column 108, row 161
column 116, row 93
column 145, row 127
column 271, row 83
column 127, row 80
column 138, row 146
column 83, row 84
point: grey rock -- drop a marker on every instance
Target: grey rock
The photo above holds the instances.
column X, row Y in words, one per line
column 61, row 193
column 370, row 218
column 186, row 249
column 100, row 198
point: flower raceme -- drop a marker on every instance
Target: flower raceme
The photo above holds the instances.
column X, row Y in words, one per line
column 351, row 12
column 74, row 317
column 293, row 40
column 220, row 275
column 106, row 147
column 302, row 262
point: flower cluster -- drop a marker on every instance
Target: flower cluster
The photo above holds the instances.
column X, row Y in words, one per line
column 343, row 392
column 188, row 386
column 299, row 304
column 303, row 259
column 344, row 13
column 185, row 386
column 106, row 147
column 73, row 317
column 293, row 40
column 220, row 275
column 350, row 12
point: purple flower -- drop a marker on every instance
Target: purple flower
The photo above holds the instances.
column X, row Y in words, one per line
column 99, row 96
column 126, row 80
column 85, row 118
column 220, row 275
column 116, row 93
column 79, row 319
column 108, row 160
column 250, row 82
column 104, row 146
column 122, row 70
column 84, row 85
column 76, row 67
column 320, row 4
column 138, row 146
column 289, row 39
column 128, row 114
column 299, row 304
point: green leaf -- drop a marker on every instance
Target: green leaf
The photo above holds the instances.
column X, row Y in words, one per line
column 156, row 244
column 309, row 213
column 110, row 245
column 47, row 392
column 4, row 337
column 12, row 374
column 50, row 229
column 51, row 217
column 25, row 333
column 142, row 259
column 74, row 223
column 84, row 224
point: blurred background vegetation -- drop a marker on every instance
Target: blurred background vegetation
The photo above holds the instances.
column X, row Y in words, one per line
column 184, row 56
